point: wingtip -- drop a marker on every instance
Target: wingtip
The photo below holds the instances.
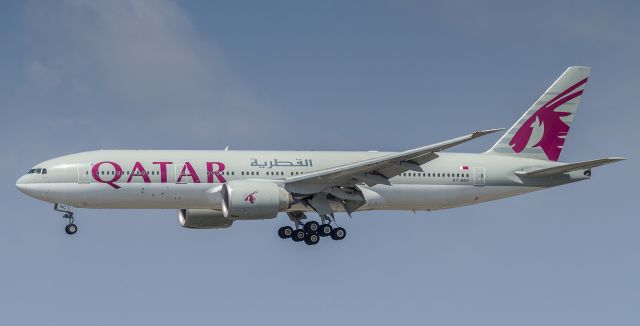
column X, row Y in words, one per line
column 486, row 132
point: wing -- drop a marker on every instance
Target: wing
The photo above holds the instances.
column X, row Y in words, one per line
column 323, row 189
column 378, row 170
column 569, row 167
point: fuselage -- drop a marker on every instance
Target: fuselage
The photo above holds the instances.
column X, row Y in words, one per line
column 163, row 179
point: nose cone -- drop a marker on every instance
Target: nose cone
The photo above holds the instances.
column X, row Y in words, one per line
column 21, row 184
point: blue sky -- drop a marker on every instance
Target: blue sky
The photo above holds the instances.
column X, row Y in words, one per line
column 385, row 75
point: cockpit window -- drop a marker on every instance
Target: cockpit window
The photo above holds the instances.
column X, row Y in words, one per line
column 31, row 171
column 44, row 171
column 38, row 171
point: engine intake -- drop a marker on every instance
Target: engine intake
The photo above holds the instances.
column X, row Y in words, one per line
column 253, row 200
column 202, row 219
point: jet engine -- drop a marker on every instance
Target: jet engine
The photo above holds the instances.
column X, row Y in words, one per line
column 253, row 200
column 202, row 219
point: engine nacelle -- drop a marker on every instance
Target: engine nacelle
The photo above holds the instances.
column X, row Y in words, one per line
column 253, row 200
column 202, row 219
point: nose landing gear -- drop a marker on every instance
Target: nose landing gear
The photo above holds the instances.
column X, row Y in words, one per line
column 71, row 228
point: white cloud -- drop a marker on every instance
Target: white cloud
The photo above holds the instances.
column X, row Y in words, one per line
column 140, row 68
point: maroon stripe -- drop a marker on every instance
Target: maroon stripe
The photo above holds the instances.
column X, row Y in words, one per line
column 568, row 90
column 564, row 100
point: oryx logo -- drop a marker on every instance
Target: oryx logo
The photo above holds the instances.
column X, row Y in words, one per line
column 545, row 128
column 251, row 198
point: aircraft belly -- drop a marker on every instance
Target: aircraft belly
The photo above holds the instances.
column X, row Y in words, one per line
column 206, row 196
column 170, row 196
column 433, row 197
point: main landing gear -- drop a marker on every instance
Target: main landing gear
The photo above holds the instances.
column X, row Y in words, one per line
column 71, row 228
column 311, row 231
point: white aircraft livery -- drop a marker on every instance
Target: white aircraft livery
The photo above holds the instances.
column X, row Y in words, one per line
column 213, row 189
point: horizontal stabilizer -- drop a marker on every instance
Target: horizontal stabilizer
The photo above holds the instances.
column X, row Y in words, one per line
column 569, row 167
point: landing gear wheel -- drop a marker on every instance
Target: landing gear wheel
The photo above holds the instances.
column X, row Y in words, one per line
column 311, row 239
column 311, row 227
column 338, row 234
column 298, row 235
column 325, row 230
column 285, row 232
column 71, row 228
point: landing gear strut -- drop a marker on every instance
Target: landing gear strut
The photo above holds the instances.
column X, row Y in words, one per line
column 311, row 231
column 71, row 228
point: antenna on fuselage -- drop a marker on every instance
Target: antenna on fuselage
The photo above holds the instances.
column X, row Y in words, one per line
column 226, row 148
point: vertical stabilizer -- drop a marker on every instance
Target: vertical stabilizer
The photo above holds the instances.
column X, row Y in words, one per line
column 541, row 132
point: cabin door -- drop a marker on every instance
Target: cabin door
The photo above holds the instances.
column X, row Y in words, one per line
column 84, row 173
column 478, row 176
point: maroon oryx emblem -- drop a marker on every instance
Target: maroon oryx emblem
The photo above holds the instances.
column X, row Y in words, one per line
column 555, row 130
column 251, row 198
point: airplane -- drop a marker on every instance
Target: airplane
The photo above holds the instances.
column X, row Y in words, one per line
column 213, row 189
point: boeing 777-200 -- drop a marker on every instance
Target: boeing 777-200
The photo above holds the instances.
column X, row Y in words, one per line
column 213, row 189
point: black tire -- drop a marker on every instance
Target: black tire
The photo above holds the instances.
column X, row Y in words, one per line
column 312, row 239
column 325, row 230
column 338, row 234
column 311, row 227
column 285, row 232
column 298, row 235
column 71, row 228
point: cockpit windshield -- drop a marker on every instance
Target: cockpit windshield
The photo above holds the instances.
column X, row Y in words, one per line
column 37, row 171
